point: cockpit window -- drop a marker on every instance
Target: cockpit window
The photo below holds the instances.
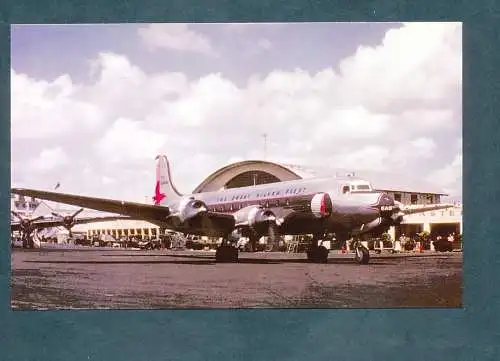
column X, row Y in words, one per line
column 363, row 187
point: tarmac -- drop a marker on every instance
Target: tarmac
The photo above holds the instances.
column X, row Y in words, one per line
column 93, row 278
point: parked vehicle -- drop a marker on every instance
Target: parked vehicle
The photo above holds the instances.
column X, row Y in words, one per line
column 443, row 245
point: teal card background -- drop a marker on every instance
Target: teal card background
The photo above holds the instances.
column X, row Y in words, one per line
column 401, row 334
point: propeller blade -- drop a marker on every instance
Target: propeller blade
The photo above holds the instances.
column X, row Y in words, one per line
column 36, row 219
column 77, row 212
column 17, row 215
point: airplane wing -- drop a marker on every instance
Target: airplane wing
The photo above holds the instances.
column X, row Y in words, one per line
column 49, row 223
column 208, row 224
column 135, row 210
column 219, row 223
column 410, row 210
column 15, row 226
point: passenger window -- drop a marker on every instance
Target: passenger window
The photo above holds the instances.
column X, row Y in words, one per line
column 345, row 189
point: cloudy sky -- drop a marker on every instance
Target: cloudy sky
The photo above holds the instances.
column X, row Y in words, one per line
column 92, row 105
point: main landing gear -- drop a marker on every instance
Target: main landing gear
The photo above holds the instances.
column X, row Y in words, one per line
column 315, row 253
column 226, row 253
column 361, row 253
column 27, row 240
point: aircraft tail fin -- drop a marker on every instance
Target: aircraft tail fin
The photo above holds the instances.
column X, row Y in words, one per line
column 165, row 191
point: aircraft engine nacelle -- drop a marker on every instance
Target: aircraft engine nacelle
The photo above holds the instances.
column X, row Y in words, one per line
column 68, row 222
column 397, row 218
column 259, row 215
column 371, row 226
column 321, row 205
column 189, row 208
column 25, row 224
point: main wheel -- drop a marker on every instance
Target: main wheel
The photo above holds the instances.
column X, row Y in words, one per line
column 317, row 254
column 226, row 254
column 362, row 255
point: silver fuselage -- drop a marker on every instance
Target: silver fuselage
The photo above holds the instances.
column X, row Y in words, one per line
column 350, row 210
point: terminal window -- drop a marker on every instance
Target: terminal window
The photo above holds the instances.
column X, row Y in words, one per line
column 397, row 197
column 413, row 199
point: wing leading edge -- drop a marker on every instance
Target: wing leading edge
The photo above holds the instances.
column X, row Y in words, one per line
column 49, row 223
column 408, row 210
column 131, row 209
column 215, row 223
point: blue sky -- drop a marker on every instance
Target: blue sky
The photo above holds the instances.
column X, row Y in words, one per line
column 93, row 104
column 46, row 51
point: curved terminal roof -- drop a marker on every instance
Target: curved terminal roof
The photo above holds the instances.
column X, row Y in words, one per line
column 380, row 180
column 222, row 176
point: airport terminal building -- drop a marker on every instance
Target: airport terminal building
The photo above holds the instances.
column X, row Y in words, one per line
column 252, row 172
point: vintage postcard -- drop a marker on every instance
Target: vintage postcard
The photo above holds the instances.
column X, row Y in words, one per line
column 245, row 165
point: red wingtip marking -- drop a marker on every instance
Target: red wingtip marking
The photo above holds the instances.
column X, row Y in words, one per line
column 158, row 197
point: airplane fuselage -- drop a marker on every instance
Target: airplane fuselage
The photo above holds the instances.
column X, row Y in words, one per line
column 348, row 211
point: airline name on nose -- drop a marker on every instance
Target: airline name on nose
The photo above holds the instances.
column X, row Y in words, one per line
column 386, row 208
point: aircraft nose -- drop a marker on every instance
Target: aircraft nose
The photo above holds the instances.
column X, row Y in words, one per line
column 385, row 200
column 386, row 205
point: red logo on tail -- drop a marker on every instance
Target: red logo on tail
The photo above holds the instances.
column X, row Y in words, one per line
column 158, row 197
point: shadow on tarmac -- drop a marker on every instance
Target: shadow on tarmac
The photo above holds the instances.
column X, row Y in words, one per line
column 205, row 260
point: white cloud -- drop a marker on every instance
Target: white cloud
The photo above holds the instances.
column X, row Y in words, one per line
column 108, row 180
column 424, row 147
column 450, row 176
column 384, row 108
column 176, row 37
column 50, row 160
column 41, row 109
column 127, row 140
column 415, row 65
